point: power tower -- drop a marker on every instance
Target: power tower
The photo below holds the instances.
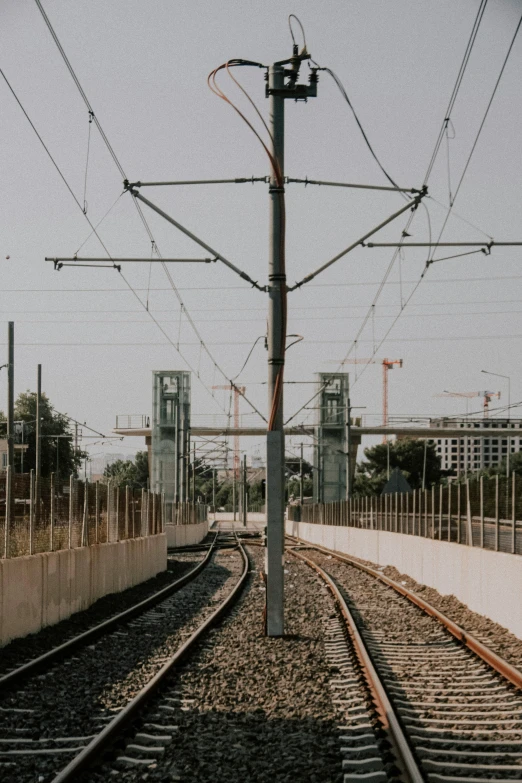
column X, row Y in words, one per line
column 238, row 392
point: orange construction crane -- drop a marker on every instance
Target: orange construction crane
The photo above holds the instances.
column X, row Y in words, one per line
column 487, row 395
column 238, row 392
column 387, row 364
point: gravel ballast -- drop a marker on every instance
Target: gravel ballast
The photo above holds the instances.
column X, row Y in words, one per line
column 463, row 719
column 75, row 698
column 29, row 647
column 493, row 635
column 254, row 708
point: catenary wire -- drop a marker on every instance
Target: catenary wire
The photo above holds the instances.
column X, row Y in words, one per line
column 142, row 216
column 453, row 97
column 456, row 88
column 94, row 231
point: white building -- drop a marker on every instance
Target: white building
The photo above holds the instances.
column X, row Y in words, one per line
column 468, row 453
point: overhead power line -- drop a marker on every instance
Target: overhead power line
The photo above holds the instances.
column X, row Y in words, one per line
column 397, row 251
column 456, row 87
column 140, row 212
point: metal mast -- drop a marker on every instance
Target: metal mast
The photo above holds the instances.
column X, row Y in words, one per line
column 281, row 85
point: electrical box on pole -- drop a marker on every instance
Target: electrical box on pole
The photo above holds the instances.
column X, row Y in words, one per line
column 282, row 84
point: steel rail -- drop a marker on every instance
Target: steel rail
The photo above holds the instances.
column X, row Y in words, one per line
column 112, row 730
column 387, row 715
column 51, row 656
column 501, row 666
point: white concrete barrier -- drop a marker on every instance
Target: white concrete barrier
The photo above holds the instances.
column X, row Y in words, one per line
column 41, row 590
column 186, row 535
column 489, row 583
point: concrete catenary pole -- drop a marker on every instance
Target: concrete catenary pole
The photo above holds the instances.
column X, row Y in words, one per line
column 276, row 356
column 10, row 396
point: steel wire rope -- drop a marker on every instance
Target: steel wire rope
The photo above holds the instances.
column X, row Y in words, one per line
column 87, row 163
column 446, row 281
column 255, row 320
column 479, row 132
column 95, row 232
column 346, row 97
column 278, row 176
column 456, row 88
column 122, row 173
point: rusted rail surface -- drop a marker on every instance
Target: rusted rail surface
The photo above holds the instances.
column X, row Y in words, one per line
column 387, row 716
column 501, row 666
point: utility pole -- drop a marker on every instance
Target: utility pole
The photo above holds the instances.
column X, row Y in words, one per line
column 234, row 495
column 10, row 396
column 281, row 85
column 301, row 488
column 214, row 491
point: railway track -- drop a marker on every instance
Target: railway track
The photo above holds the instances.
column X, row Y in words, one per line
column 439, row 705
column 59, row 712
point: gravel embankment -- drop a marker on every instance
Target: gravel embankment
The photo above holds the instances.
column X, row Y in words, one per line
column 495, row 636
column 74, row 699
column 256, row 709
column 21, row 650
column 440, row 688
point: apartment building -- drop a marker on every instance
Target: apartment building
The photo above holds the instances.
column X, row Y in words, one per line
column 468, row 453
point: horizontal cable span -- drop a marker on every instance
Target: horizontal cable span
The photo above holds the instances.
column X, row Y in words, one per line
column 307, row 181
column 134, row 260
column 237, row 181
column 444, row 244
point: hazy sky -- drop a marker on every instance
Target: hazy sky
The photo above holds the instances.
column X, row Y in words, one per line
column 144, row 66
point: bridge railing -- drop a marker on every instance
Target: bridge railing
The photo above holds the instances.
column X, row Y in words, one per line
column 483, row 513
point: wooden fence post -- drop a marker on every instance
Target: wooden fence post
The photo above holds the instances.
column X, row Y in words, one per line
column 31, row 512
column 449, row 512
column 481, row 484
column 497, row 515
column 469, row 531
column 85, row 519
column 51, row 534
column 109, row 504
column 458, row 511
column 71, row 508
column 433, row 511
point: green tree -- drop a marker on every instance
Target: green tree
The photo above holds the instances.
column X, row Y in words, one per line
column 293, row 469
column 128, row 472
column 57, row 441
column 407, row 454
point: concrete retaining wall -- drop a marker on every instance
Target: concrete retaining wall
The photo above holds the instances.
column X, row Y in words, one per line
column 489, row 583
column 43, row 589
column 186, row 535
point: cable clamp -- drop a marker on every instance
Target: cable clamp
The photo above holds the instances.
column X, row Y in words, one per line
column 277, row 277
column 276, row 189
column 279, row 362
